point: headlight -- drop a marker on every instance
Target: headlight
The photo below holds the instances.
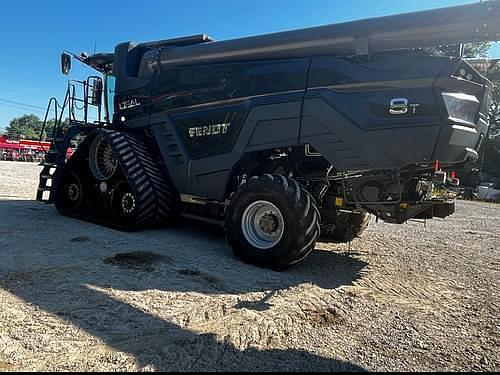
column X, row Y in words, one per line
column 461, row 107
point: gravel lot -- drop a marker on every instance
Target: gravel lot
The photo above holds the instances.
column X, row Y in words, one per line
column 76, row 296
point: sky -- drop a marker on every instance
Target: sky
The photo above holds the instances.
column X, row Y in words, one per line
column 34, row 33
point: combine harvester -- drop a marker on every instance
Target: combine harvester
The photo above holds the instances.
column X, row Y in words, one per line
column 283, row 138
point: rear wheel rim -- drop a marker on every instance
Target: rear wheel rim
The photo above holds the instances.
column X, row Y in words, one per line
column 262, row 225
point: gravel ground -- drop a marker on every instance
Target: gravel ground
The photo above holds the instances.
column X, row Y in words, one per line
column 76, row 296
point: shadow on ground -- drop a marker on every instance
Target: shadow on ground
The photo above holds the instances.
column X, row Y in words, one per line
column 186, row 268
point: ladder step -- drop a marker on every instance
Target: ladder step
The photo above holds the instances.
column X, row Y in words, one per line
column 41, row 199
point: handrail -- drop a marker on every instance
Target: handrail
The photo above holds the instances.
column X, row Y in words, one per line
column 51, row 100
column 70, row 102
column 85, row 102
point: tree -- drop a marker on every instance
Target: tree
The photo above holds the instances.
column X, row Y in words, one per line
column 29, row 127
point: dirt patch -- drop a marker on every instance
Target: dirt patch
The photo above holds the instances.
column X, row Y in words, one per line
column 325, row 317
column 137, row 260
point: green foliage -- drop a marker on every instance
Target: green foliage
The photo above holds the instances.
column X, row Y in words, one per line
column 29, row 127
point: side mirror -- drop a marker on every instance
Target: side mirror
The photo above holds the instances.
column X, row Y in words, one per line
column 97, row 92
column 65, row 63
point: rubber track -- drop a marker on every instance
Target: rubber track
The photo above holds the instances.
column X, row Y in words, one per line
column 153, row 193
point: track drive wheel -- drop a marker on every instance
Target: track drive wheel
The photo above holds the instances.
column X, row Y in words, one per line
column 272, row 222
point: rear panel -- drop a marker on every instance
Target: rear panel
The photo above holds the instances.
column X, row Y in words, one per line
column 387, row 112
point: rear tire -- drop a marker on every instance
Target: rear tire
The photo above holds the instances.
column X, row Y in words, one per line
column 346, row 227
column 272, row 222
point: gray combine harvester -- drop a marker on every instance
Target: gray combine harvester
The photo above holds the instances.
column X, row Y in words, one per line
column 283, row 139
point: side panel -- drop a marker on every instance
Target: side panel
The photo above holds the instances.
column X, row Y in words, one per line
column 211, row 132
column 192, row 88
column 209, row 176
column 350, row 148
column 347, row 113
column 132, row 96
column 265, row 127
column 133, row 106
column 206, row 117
